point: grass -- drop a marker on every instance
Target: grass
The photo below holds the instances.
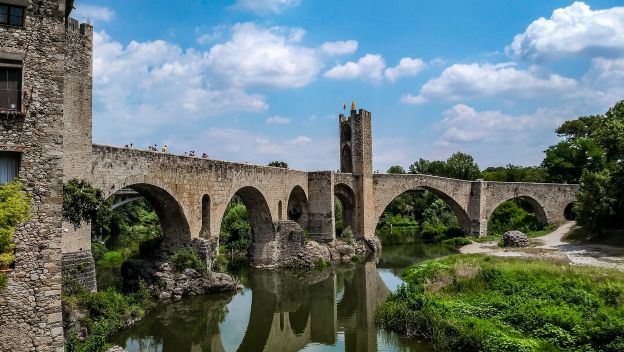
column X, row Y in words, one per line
column 481, row 303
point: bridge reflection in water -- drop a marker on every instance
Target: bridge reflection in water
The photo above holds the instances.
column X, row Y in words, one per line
column 331, row 310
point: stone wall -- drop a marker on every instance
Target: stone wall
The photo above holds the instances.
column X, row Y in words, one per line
column 79, row 265
column 30, row 307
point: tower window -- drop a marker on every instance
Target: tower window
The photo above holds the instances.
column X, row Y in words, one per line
column 12, row 15
column 9, row 166
column 10, row 86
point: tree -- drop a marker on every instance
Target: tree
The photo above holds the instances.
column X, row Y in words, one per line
column 396, row 169
column 593, row 154
column 459, row 165
column 514, row 173
column 281, row 164
column 81, row 202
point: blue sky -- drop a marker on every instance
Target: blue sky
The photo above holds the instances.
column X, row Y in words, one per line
column 262, row 80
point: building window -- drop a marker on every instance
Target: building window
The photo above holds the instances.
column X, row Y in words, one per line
column 12, row 15
column 10, row 86
column 9, row 166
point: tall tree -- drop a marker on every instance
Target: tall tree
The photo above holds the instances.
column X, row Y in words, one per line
column 396, row 169
column 459, row 165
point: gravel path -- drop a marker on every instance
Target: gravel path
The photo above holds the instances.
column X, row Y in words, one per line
column 551, row 246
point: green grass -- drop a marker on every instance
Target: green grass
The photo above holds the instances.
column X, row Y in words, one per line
column 481, row 303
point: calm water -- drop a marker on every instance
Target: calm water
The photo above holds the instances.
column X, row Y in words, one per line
column 330, row 310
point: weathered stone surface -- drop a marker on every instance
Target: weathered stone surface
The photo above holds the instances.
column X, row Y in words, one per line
column 515, row 239
column 116, row 349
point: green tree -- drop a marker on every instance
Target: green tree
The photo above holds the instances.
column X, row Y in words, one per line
column 81, row 202
column 396, row 169
column 514, row 173
column 565, row 161
column 235, row 228
column 459, row 165
column 281, row 164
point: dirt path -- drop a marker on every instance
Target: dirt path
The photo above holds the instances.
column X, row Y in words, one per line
column 551, row 246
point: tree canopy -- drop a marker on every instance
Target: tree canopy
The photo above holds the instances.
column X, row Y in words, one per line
column 459, row 165
column 277, row 163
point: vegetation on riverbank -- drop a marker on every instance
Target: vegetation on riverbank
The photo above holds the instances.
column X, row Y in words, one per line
column 91, row 318
column 480, row 303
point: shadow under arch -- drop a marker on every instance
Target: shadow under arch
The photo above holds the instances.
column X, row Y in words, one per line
column 569, row 213
column 298, row 207
column 460, row 213
column 347, row 198
column 173, row 223
column 540, row 213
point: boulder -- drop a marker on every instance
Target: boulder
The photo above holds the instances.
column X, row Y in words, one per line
column 515, row 239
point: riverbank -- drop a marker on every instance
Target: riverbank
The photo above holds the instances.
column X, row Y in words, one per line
column 554, row 246
column 483, row 303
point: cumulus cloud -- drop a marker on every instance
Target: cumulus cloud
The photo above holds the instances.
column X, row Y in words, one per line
column 91, row 13
column 257, row 55
column 263, row 7
column 406, row 67
column 570, row 31
column 470, row 81
column 280, row 120
column 368, row 67
column 145, row 85
column 340, row 47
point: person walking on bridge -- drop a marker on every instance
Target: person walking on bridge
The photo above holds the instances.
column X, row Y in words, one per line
column 164, row 148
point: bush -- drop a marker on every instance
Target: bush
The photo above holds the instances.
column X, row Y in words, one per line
column 14, row 210
column 3, row 281
column 457, row 241
column 98, row 249
column 187, row 258
column 480, row 303
column 347, row 236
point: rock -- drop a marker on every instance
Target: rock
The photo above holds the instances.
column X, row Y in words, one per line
column 116, row 349
column 346, row 252
column 515, row 239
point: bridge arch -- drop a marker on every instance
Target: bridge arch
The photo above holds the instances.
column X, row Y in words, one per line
column 540, row 213
column 298, row 207
column 259, row 214
column 346, row 196
column 173, row 221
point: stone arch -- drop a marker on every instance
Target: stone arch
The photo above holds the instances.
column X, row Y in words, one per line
column 569, row 212
column 259, row 213
column 347, row 198
column 205, row 219
column 540, row 213
column 458, row 210
column 173, row 221
column 346, row 163
column 298, row 207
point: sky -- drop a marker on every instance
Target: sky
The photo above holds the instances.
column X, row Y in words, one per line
column 261, row 80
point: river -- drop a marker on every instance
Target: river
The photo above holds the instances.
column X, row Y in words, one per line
column 314, row 310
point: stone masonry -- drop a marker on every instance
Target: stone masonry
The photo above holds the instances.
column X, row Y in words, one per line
column 52, row 139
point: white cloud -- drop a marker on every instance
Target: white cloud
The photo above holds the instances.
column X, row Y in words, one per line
column 280, row 120
column 147, row 85
column 570, row 31
column 470, row 81
column 340, row 47
column 604, row 82
column 406, row 67
column 301, row 140
column 369, row 67
column 91, row 13
column 264, row 56
column 265, row 6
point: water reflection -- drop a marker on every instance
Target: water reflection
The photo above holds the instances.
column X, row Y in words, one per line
column 331, row 310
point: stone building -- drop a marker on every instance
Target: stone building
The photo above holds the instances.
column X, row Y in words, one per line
column 45, row 93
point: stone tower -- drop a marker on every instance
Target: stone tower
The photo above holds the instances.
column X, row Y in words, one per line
column 44, row 125
column 356, row 157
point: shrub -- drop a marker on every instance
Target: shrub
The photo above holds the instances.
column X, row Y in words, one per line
column 14, row 210
column 98, row 249
column 322, row 264
column 187, row 258
column 347, row 236
column 457, row 241
column 3, row 281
